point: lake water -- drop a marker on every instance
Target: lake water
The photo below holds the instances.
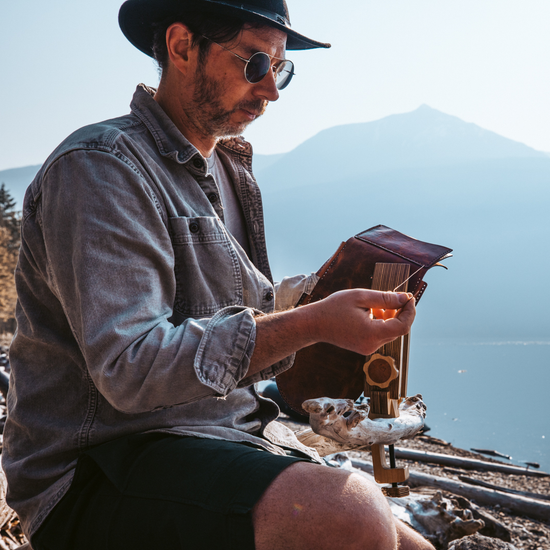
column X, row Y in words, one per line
column 486, row 394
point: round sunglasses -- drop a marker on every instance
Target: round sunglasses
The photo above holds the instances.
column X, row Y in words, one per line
column 259, row 64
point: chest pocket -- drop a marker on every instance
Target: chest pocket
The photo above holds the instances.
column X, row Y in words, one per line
column 208, row 275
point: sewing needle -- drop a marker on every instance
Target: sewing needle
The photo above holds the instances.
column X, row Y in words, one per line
column 401, row 284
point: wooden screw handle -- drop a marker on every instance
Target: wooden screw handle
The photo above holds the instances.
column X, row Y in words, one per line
column 380, row 370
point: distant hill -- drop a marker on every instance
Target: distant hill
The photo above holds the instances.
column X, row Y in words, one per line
column 436, row 178
column 261, row 162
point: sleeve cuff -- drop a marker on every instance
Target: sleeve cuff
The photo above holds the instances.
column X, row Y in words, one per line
column 225, row 349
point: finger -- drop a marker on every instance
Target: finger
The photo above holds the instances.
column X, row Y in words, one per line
column 390, row 313
column 384, row 313
column 407, row 313
column 378, row 313
column 401, row 323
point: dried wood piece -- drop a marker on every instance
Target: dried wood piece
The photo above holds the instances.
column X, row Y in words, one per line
column 493, row 527
column 490, row 452
column 473, row 481
column 437, row 518
column 464, row 463
column 339, row 424
column 434, row 440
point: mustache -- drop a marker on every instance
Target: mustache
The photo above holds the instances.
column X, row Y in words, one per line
column 257, row 106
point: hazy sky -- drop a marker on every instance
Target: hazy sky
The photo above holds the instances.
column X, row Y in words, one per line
column 65, row 63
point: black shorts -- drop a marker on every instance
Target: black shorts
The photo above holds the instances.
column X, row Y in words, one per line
column 162, row 491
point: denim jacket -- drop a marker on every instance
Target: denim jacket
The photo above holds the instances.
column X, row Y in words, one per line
column 136, row 306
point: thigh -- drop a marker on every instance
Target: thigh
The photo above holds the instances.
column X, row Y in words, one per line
column 162, row 491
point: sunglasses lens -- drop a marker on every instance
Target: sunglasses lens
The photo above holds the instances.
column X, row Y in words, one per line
column 285, row 72
column 260, row 64
column 257, row 67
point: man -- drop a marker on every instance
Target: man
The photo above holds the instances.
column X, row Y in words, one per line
column 146, row 315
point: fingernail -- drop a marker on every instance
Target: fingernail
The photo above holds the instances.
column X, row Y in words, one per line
column 403, row 298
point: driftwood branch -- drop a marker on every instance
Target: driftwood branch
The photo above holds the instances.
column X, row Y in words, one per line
column 536, row 509
column 437, row 518
column 339, row 424
column 494, row 528
column 464, row 463
column 480, row 483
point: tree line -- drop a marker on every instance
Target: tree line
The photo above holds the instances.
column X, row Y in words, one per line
column 10, row 241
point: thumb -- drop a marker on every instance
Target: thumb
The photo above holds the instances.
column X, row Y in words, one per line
column 376, row 299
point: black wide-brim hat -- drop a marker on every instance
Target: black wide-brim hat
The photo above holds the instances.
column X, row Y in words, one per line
column 137, row 18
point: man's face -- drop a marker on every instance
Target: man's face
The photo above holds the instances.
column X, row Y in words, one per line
column 223, row 102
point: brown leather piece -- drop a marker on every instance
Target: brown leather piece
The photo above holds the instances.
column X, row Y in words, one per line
column 324, row 370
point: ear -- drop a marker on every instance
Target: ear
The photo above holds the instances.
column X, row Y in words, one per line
column 178, row 43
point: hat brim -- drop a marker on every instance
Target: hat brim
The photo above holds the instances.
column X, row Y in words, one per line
column 137, row 16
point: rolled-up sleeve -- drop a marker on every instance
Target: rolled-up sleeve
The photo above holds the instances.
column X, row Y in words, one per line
column 111, row 266
column 223, row 356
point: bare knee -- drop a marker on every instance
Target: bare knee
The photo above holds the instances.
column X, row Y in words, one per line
column 315, row 507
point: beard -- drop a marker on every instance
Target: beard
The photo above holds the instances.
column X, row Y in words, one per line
column 208, row 115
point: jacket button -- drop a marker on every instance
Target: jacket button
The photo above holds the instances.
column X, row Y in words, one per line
column 269, row 296
column 197, row 163
column 212, row 197
column 194, row 227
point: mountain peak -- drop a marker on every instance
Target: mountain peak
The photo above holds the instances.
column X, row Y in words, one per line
column 422, row 137
column 424, row 108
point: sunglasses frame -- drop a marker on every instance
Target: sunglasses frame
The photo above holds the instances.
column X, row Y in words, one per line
column 282, row 63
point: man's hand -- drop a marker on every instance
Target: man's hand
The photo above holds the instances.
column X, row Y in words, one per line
column 359, row 320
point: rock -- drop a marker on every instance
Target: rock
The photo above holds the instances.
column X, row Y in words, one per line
column 479, row 542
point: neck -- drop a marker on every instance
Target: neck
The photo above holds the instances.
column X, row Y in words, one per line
column 175, row 106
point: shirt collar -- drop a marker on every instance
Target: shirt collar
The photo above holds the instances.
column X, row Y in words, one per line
column 170, row 141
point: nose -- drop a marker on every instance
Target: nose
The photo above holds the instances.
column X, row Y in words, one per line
column 267, row 87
